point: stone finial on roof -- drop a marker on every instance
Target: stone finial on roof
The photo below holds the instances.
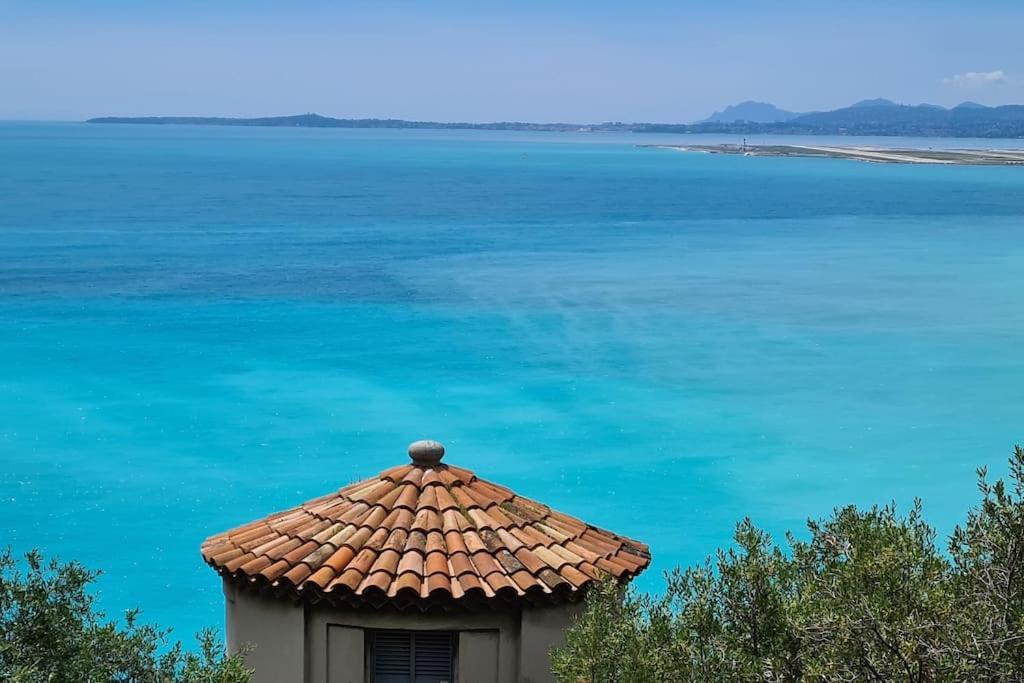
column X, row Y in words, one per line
column 426, row 453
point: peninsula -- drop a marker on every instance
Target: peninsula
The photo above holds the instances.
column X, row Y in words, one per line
column 879, row 155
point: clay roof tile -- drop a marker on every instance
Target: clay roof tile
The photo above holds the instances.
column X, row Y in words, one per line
column 298, row 574
column 424, row 532
column 445, row 501
column 408, row 497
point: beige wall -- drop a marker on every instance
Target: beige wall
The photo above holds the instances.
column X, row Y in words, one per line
column 321, row 644
column 345, row 656
column 542, row 629
column 274, row 629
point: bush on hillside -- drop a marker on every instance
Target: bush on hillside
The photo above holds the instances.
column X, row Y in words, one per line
column 50, row 630
column 869, row 597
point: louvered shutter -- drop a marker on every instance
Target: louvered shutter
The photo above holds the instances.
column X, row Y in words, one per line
column 432, row 657
column 392, row 657
column 413, row 657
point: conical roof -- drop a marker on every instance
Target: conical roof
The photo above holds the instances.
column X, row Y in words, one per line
column 421, row 534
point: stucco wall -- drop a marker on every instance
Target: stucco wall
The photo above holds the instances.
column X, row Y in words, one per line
column 321, row 644
column 541, row 629
column 276, row 631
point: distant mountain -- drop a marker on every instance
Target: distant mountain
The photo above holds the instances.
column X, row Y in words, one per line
column 753, row 112
column 877, row 102
column 970, row 105
column 868, row 117
column 882, row 117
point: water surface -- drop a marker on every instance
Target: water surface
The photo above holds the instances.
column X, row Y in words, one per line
column 199, row 326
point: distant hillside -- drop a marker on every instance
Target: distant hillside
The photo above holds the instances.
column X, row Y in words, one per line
column 922, row 120
column 754, row 112
column 885, row 117
column 868, row 117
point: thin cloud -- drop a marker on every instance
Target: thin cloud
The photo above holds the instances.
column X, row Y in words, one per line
column 977, row 80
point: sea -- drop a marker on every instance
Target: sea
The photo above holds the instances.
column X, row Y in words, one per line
column 203, row 325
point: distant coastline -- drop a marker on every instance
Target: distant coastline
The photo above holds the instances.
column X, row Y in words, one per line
column 317, row 121
column 871, row 118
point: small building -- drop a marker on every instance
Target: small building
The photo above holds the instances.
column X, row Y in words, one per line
column 422, row 574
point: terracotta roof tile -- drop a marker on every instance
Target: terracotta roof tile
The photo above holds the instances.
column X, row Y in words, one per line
column 387, row 562
column 530, row 537
column 379, row 580
column 470, row 582
column 408, row 497
column 233, row 564
column 533, row 563
column 340, row 559
column 461, row 565
column 615, row 569
column 393, row 474
column 414, row 476
column 500, row 582
column 474, row 543
column 524, row 579
column 482, row 520
column 282, row 549
column 405, row 582
column 454, row 542
column 424, row 532
column 411, row 562
column 417, row 542
column 275, row 570
column 428, row 500
column 298, row 574
column 322, row 576
column 356, row 540
column 435, row 543
column 397, row 540
column 445, row 501
column 438, row 582
column 503, row 521
column 437, row 563
column 351, row 578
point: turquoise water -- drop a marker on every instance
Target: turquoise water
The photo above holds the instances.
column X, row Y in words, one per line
column 199, row 326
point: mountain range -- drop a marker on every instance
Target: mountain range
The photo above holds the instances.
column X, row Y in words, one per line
column 867, row 117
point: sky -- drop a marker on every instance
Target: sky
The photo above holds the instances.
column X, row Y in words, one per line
column 562, row 60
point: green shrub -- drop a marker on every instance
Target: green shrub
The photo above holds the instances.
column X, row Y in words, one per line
column 51, row 631
column 869, row 597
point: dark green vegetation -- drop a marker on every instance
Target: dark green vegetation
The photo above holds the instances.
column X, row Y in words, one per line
column 870, row 117
column 869, row 597
column 50, row 631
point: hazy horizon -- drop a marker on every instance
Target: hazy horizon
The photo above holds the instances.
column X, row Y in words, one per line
column 580, row 62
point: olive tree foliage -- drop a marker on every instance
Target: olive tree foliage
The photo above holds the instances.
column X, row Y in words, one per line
column 869, row 596
column 50, row 630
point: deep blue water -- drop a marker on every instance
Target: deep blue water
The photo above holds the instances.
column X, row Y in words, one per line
column 199, row 326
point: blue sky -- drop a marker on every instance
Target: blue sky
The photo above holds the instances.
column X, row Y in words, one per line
column 478, row 61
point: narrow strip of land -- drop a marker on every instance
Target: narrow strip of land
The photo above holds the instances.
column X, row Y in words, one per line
column 973, row 157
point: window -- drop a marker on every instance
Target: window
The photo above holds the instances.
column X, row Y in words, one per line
column 412, row 656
